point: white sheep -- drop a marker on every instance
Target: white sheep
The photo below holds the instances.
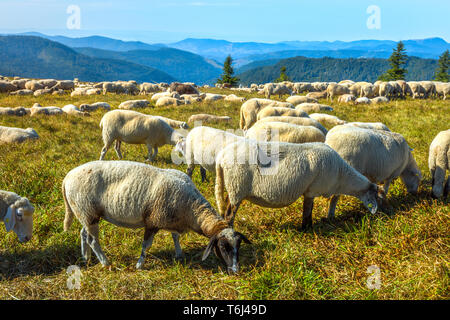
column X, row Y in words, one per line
column 136, row 128
column 17, row 214
column 362, row 100
column 296, row 100
column 133, row 104
column 280, row 111
column 73, row 110
column 327, row 119
column 377, row 100
column 136, row 195
column 48, row 111
column 313, row 107
column 369, row 125
column 246, row 171
column 284, row 132
column 439, row 163
column 381, row 156
column 168, row 101
column 175, row 124
column 297, row 121
column 95, row 106
column 249, row 110
column 16, row 135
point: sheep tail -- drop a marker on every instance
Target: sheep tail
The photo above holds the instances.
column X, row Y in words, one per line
column 221, row 202
column 68, row 219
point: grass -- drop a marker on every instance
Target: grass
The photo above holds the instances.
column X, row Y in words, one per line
column 330, row 261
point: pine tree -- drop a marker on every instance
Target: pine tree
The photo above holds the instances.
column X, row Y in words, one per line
column 283, row 75
column 442, row 72
column 397, row 60
column 228, row 72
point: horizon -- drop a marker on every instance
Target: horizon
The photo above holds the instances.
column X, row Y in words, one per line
column 260, row 21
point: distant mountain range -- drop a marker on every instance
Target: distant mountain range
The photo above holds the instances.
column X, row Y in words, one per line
column 35, row 57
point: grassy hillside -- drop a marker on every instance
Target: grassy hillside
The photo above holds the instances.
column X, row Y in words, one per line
column 330, row 261
column 182, row 65
column 35, row 57
column 331, row 69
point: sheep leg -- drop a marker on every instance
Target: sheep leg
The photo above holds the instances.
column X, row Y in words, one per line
column 308, row 204
column 176, row 242
column 93, row 242
column 190, row 170
column 203, row 173
column 117, row 147
column 447, row 187
column 386, row 185
column 147, row 243
column 331, row 210
column 231, row 213
column 438, row 182
column 105, row 149
column 85, row 248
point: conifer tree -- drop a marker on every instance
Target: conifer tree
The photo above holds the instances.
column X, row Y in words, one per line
column 228, row 72
column 283, row 75
column 397, row 61
column 442, row 71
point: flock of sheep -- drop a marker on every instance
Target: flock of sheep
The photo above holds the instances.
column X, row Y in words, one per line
column 281, row 152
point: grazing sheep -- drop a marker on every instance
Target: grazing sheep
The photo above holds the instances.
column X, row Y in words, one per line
column 19, row 111
column 168, row 101
column 443, row 89
column 22, row 92
column 297, row 121
column 234, row 98
column 48, row 111
column 33, row 85
column 17, row 214
column 386, row 89
column 313, row 107
column 300, row 87
column 70, row 109
column 191, row 98
column 363, row 100
column 369, row 125
column 64, row 85
column 95, row 106
column 417, row 90
column 439, row 163
column 20, row 84
column 284, row 132
column 369, row 90
column 293, row 170
column 175, row 124
column 295, row 100
column 381, row 156
column 213, row 97
column 336, row 90
column 346, row 98
column 280, row 111
column 377, row 100
column 276, row 89
column 16, row 135
column 327, row 119
column 159, row 95
column 136, row 195
column 48, row 83
column 250, row 109
column 134, row 104
column 204, row 118
column 182, row 88
column 201, row 147
column 430, row 88
column 146, row 88
column 136, row 128
column 317, row 95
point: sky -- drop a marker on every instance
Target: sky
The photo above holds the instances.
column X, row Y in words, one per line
column 166, row 21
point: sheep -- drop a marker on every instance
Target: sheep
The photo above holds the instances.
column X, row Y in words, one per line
column 346, row 98
column 293, row 170
column 300, row 87
column 175, row 124
column 168, row 101
column 234, row 98
column 204, row 118
column 327, row 119
column 442, row 89
column 430, row 88
column 417, row 90
column 136, row 128
column 249, row 110
column 6, row 86
column 284, row 132
column 49, row 111
column 33, row 85
column 19, row 111
column 48, row 83
column 317, row 95
column 135, row 195
column 20, row 84
column 42, row 92
column 95, row 106
column 381, row 156
column 146, row 88
column 377, row 100
column 159, row 95
column 201, row 147
column 64, row 85
column 313, row 107
column 132, row 104
column 17, row 214
column 297, row 121
column 363, row 100
column 439, row 163
column 191, row 98
column 295, row 100
column 273, row 89
column 213, row 97
column 369, row 125
column 336, row 90
column 369, row 90
column 70, row 109
column 16, row 135
column 280, row 111
column 182, row 88
column 386, row 89
column 22, row 92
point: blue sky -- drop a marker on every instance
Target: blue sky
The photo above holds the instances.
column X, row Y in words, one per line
column 234, row 20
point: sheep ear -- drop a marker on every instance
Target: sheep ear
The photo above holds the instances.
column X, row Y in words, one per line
column 10, row 219
column 211, row 244
column 243, row 238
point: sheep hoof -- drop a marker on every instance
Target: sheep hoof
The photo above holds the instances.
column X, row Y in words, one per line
column 179, row 257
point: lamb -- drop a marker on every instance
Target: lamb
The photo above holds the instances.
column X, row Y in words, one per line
column 168, row 101
column 70, row 109
column 136, row 128
column 175, row 124
column 369, row 125
column 136, row 195
column 280, row 111
column 16, row 135
column 134, row 104
column 95, row 106
column 346, row 98
column 326, row 119
column 297, row 121
column 362, row 100
column 201, row 147
column 204, row 118
column 234, row 98
column 439, row 163
column 309, row 169
column 17, row 214
column 284, row 132
column 250, row 109
column 295, row 100
column 381, row 156
column 49, row 111
column 313, row 107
